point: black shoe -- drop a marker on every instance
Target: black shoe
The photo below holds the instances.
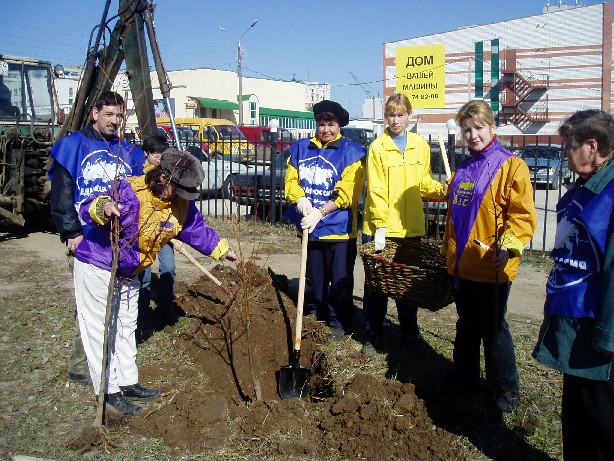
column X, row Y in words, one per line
column 508, row 401
column 80, row 378
column 122, row 404
column 368, row 349
column 138, row 392
column 336, row 334
column 372, row 344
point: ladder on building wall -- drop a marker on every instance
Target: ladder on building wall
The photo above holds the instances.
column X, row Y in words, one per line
column 517, row 88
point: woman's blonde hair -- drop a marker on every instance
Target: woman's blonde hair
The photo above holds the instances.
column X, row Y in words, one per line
column 478, row 110
column 396, row 103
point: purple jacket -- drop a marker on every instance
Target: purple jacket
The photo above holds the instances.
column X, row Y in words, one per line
column 147, row 224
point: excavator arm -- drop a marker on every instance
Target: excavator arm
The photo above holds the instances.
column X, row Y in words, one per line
column 127, row 42
column 29, row 126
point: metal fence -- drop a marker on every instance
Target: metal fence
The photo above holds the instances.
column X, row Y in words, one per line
column 255, row 189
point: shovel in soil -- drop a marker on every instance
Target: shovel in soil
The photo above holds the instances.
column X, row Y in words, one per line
column 232, row 294
column 294, row 379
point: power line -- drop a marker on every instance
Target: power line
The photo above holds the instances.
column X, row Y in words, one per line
column 42, row 30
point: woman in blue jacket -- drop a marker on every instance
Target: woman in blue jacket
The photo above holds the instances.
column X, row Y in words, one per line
column 324, row 178
column 577, row 335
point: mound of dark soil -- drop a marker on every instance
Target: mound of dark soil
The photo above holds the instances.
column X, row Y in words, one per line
column 240, row 350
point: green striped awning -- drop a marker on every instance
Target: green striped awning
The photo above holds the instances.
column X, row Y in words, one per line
column 216, row 103
column 285, row 113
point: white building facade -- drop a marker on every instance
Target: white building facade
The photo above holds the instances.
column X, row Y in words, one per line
column 535, row 71
column 214, row 93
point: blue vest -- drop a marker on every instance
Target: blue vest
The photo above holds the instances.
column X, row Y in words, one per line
column 319, row 169
column 584, row 222
column 93, row 164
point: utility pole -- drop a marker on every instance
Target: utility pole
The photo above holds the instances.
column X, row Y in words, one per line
column 240, row 67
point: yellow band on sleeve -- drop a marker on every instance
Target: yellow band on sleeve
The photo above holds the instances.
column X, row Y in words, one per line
column 220, row 250
column 96, row 210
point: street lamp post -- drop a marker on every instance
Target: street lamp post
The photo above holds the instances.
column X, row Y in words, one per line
column 240, row 67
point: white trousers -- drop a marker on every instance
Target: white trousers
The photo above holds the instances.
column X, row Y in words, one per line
column 91, row 287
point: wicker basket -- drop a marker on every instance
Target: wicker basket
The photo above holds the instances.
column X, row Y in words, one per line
column 409, row 270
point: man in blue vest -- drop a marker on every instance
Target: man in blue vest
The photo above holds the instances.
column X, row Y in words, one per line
column 86, row 162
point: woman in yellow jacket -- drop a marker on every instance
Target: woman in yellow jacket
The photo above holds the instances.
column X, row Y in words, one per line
column 491, row 216
column 398, row 176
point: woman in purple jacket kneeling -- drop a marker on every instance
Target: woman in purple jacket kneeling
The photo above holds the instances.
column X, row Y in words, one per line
column 150, row 210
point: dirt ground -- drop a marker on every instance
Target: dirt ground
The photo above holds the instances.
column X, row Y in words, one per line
column 218, row 368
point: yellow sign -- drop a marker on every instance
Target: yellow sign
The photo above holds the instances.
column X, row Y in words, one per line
column 421, row 75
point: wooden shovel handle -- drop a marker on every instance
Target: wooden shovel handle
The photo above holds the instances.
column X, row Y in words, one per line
column 444, row 155
column 202, row 269
column 301, row 293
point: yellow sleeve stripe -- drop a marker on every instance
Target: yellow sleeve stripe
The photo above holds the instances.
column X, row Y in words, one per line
column 96, row 209
column 220, row 250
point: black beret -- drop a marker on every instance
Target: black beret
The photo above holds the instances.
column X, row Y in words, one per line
column 334, row 108
column 185, row 170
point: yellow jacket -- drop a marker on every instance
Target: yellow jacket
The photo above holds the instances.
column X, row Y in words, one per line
column 396, row 183
column 510, row 198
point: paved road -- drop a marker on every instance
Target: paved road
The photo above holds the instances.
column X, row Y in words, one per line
column 545, row 204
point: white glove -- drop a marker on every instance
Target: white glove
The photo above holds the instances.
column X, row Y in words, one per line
column 379, row 239
column 309, row 222
column 304, row 206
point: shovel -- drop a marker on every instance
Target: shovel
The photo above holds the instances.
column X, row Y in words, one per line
column 294, row 379
column 232, row 294
column 444, row 156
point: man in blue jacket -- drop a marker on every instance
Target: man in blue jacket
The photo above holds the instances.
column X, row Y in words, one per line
column 86, row 162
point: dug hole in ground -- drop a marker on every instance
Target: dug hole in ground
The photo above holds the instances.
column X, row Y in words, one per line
column 385, row 407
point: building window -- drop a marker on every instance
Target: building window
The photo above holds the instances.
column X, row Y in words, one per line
column 252, row 113
column 213, row 113
column 70, row 92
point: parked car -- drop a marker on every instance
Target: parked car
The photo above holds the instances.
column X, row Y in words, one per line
column 255, row 188
column 268, row 143
column 547, row 163
column 361, row 136
column 256, row 185
column 282, row 137
column 186, row 135
column 218, row 137
column 219, row 173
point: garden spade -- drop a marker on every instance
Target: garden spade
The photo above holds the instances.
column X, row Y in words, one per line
column 294, row 378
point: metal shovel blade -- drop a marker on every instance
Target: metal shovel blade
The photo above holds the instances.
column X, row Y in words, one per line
column 294, row 382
